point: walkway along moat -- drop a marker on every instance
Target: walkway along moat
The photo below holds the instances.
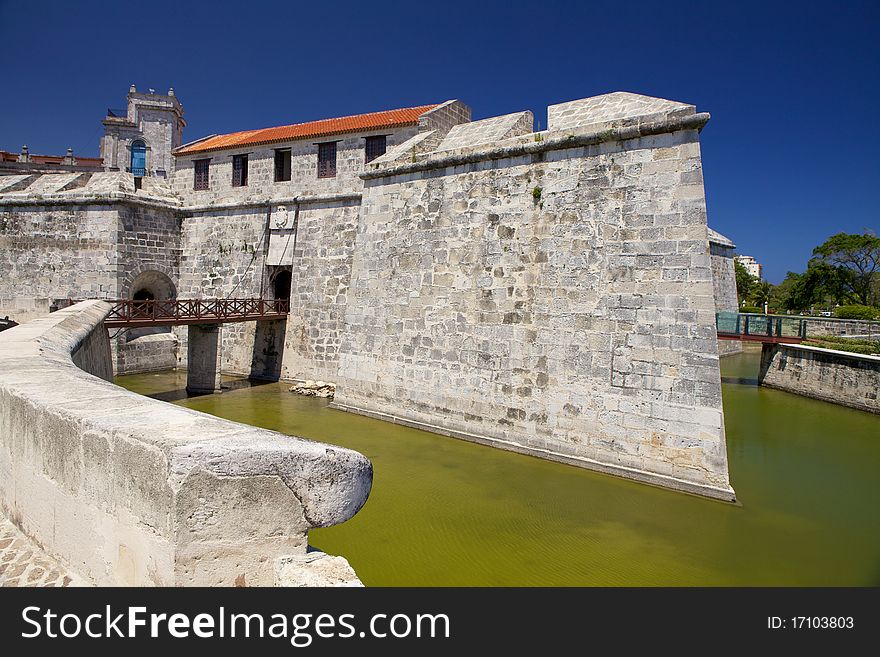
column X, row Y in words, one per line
column 446, row 512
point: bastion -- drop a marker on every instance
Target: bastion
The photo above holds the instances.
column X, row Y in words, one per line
column 552, row 293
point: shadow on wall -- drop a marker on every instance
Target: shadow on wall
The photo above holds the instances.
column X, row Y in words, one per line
column 269, row 335
column 268, row 350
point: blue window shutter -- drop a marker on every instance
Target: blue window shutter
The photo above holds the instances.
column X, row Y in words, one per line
column 138, row 158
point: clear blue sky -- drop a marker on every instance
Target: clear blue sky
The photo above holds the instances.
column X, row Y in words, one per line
column 791, row 155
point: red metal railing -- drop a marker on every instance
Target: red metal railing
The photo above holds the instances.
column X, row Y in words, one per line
column 128, row 313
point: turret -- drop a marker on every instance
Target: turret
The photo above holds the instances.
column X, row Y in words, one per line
column 140, row 138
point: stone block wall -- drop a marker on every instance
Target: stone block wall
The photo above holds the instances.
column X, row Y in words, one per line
column 616, row 106
column 555, row 299
column 50, row 252
column 223, row 255
column 835, row 376
column 444, row 117
column 148, row 240
column 724, row 285
column 488, row 131
column 261, row 185
column 817, row 326
column 146, row 353
column 322, row 260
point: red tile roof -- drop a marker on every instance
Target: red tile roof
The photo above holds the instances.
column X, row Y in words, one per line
column 7, row 156
column 395, row 118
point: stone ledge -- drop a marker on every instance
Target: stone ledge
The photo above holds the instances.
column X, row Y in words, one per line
column 874, row 360
column 550, row 142
column 128, row 490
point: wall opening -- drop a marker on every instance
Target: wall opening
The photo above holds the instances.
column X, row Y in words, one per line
column 150, row 285
column 143, row 294
column 281, row 284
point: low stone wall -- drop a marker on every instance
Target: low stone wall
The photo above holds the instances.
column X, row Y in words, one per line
column 843, row 327
column 836, row 376
column 127, row 490
column 147, row 353
column 729, row 347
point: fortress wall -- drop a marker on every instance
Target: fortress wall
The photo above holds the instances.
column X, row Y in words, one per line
column 555, row 298
column 724, row 283
column 223, row 255
column 50, row 252
column 127, row 490
column 320, row 291
column 148, row 240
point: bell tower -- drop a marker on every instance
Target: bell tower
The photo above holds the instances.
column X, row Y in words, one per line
column 140, row 138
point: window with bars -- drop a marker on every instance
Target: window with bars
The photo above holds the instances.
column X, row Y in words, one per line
column 239, row 170
column 374, row 147
column 282, row 165
column 201, row 174
column 327, row 160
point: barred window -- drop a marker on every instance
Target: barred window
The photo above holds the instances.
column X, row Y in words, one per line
column 282, row 165
column 327, row 160
column 239, row 170
column 201, row 174
column 374, row 147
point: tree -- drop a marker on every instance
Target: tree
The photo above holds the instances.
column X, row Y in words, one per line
column 857, row 259
column 745, row 282
column 820, row 282
column 780, row 295
column 761, row 293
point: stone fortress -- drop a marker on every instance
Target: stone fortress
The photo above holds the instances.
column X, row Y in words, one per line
column 551, row 293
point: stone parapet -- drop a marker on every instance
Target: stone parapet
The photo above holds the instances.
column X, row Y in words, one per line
column 839, row 377
column 623, row 130
column 126, row 490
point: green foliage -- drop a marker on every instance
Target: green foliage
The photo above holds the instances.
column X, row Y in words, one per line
column 839, row 343
column 857, row 259
column 857, row 311
column 761, row 293
column 820, row 283
column 751, row 309
column 780, row 294
column 536, row 193
column 745, row 282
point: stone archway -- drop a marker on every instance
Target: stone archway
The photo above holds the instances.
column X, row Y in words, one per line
column 150, row 285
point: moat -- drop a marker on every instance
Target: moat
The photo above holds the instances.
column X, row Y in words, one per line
column 447, row 512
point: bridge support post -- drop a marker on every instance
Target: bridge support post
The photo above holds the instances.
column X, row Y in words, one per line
column 203, row 358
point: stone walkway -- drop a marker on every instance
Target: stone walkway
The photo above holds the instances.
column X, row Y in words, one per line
column 23, row 563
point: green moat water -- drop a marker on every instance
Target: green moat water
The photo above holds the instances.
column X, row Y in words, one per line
column 447, row 512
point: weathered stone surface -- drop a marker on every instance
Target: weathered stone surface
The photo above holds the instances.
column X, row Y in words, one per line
column 315, row 569
column 311, row 388
column 487, row 131
column 721, row 250
column 203, row 358
column 835, row 376
column 547, row 292
column 129, row 490
column 561, row 306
